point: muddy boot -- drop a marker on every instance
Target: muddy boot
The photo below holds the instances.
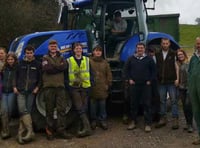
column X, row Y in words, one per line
column 131, row 126
column 49, row 134
column 86, row 131
column 5, row 133
column 162, row 122
column 103, row 125
column 28, row 124
column 175, row 124
column 20, row 131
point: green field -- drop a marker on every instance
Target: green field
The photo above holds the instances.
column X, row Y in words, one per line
column 188, row 33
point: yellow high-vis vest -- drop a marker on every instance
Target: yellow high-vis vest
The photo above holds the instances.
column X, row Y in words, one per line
column 79, row 76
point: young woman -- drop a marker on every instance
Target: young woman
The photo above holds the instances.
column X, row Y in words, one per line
column 99, row 92
column 8, row 96
column 183, row 63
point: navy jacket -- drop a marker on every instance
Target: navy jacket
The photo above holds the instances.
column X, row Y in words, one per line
column 140, row 70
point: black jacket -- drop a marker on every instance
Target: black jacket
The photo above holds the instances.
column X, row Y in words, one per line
column 8, row 75
column 28, row 75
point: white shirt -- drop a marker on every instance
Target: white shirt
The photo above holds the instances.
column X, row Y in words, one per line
column 164, row 53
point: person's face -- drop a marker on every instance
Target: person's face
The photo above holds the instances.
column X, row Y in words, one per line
column 117, row 19
column 140, row 50
column 181, row 56
column 10, row 60
column 78, row 50
column 198, row 44
column 97, row 53
column 29, row 54
column 2, row 54
column 151, row 53
column 165, row 44
column 53, row 48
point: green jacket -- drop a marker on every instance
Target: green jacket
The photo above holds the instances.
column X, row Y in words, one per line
column 53, row 71
column 194, row 72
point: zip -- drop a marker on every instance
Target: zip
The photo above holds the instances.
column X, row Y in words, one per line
column 27, row 77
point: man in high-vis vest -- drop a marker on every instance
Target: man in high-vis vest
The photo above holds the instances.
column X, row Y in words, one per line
column 79, row 77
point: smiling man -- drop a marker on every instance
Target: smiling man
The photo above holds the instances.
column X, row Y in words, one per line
column 139, row 73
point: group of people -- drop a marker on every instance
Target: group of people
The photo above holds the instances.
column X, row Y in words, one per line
column 153, row 77
column 80, row 76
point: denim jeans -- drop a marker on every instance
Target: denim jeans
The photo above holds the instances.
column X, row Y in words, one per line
column 25, row 102
column 98, row 109
column 8, row 103
column 171, row 90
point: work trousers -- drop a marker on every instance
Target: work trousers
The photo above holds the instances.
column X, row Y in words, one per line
column 55, row 98
column 141, row 95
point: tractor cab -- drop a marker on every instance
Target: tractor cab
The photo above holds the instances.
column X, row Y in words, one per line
column 98, row 20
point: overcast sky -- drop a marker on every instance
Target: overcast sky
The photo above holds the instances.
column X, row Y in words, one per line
column 189, row 10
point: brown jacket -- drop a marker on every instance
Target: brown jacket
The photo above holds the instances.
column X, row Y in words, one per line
column 102, row 78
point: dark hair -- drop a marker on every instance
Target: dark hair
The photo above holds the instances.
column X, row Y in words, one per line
column 117, row 14
column 74, row 45
column 29, row 48
column 140, row 43
column 165, row 39
column 98, row 47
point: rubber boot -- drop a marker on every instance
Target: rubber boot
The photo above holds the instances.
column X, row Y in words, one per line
column 28, row 124
column 21, row 130
column 86, row 131
column 5, row 133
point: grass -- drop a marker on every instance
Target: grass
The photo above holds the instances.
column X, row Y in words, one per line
column 188, row 34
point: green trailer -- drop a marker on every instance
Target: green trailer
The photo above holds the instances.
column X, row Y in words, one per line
column 167, row 23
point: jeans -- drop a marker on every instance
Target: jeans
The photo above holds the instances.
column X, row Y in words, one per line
column 163, row 90
column 25, row 102
column 8, row 103
column 98, row 109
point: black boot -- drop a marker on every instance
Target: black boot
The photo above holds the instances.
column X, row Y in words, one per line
column 61, row 133
column 86, row 131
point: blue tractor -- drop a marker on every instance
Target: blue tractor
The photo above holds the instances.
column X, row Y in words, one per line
column 85, row 21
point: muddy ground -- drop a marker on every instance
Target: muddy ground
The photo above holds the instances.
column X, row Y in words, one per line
column 115, row 137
